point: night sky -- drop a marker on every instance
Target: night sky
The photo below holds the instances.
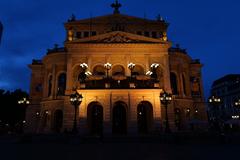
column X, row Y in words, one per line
column 208, row 29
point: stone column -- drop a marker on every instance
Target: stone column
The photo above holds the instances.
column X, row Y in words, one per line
column 166, row 73
column 157, row 112
column 128, row 60
column 45, row 84
column 180, row 82
column 147, row 62
column 89, row 63
column 107, row 125
column 132, row 116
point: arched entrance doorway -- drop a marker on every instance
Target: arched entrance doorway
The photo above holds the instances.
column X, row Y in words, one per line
column 144, row 117
column 119, row 118
column 58, row 120
column 95, row 118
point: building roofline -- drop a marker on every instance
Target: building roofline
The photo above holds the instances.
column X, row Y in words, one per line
column 225, row 78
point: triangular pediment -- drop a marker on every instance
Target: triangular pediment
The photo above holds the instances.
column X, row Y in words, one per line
column 118, row 37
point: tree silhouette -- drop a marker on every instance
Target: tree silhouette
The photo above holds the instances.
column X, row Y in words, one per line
column 11, row 113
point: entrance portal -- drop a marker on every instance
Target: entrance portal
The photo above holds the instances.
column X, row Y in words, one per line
column 145, row 117
column 95, row 118
column 119, row 118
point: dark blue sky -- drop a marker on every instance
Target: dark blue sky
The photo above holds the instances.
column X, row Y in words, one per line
column 208, row 29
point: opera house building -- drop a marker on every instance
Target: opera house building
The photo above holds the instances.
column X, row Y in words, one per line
column 116, row 66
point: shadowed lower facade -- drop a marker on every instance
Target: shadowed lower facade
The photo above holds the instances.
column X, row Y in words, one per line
column 120, row 64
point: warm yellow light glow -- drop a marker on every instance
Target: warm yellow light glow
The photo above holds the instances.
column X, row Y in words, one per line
column 108, row 65
column 70, row 35
column 84, row 65
column 131, row 65
column 165, row 36
column 149, row 73
column 88, row 73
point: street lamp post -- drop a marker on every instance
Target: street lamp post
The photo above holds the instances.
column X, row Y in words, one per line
column 154, row 67
column 84, row 67
column 76, row 100
column 131, row 66
column 107, row 66
column 237, row 105
column 166, row 99
column 215, row 102
column 24, row 102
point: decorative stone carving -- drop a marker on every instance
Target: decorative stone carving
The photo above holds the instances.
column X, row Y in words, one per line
column 119, row 37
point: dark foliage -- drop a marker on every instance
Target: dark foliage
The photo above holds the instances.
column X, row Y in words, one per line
column 11, row 113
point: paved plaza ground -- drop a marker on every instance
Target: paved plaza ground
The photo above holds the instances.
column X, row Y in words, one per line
column 114, row 148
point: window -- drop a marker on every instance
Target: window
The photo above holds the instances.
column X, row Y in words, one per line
column 118, row 27
column 93, row 33
column 173, row 79
column 146, row 34
column 161, row 35
column 118, row 70
column 99, row 70
column 138, row 70
column 139, row 32
column 86, row 34
column 154, row 34
column 38, row 88
column 50, row 86
column 79, row 34
column 61, row 84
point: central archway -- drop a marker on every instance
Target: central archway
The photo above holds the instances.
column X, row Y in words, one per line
column 119, row 118
column 145, row 117
column 95, row 118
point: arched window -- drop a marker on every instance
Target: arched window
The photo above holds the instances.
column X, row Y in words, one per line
column 184, row 85
column 99, row 70
column 95, row 118
column 173, row 79
column 118, row 70
column 144, row 117
column 119, row 118
column 49, row 85
column 61, row 84
column 38, row 87
column 138, row 70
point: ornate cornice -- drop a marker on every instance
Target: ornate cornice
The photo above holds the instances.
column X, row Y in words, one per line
column 118, row 37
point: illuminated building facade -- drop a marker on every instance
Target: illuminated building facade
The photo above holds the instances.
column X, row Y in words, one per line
column 228, row 89
column 120, row 64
